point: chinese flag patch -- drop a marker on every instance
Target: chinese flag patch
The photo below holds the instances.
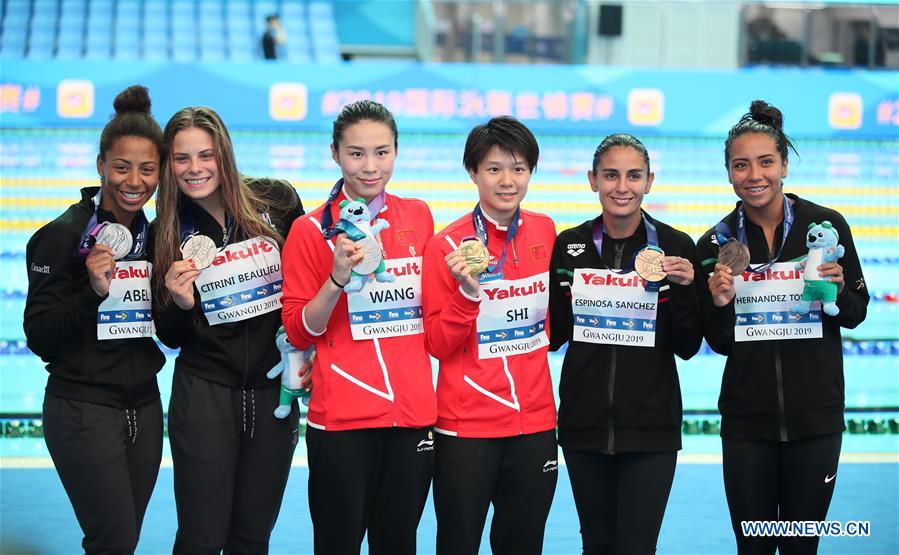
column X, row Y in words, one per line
column 538, row 252
column 407, row 236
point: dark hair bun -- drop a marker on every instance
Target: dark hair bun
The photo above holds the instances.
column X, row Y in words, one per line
column 135, row 98
column 763, row 112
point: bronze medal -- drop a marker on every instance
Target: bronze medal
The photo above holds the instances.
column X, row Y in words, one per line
column 734, row 255
column 648, row 264
column 476, row 256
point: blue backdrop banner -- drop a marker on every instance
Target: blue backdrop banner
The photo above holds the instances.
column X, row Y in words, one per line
column 453, row 97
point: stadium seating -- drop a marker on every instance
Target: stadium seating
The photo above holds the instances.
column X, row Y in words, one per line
column 165, row 30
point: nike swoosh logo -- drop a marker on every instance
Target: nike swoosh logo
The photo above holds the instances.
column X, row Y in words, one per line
column 829, row 479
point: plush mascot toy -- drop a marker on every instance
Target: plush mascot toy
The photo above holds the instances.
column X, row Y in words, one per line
column 823, row 246
column 355, row 221
column 292, row 361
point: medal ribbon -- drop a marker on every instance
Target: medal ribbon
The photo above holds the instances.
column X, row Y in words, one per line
column 652, row 241
column 480, row 228
column 374, row 208
column 93, row 227
column 723, row 233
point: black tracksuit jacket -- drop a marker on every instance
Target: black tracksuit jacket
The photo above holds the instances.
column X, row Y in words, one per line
column 618, row 398
column 783, row 390
column 61, row 321
column 237, row 354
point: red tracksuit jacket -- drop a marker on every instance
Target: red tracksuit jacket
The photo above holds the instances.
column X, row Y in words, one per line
column 494, row 376
column 362, row 383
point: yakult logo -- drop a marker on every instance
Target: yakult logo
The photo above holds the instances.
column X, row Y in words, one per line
column 256, row 249
column 772, row 275
column 613, row 281
column 131, row 273
column 498, row 294
column 407, row 269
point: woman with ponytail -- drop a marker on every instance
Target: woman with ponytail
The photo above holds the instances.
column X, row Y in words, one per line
column 217, row 242
column 782, row 395
column 88, row 317
column 369, row 438
column 620, row 402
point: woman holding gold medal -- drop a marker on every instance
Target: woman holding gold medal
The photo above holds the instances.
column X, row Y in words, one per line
column 782, row 396
column 352, row 288
column 486, row 294
column 88, row 317
column 217, row 241
column 622, row 297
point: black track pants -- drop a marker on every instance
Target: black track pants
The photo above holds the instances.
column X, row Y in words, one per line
column 231, row 461
column 108, row 461
column 517, row 474
column 620, row 499
column 769, row 480
column 373, row 480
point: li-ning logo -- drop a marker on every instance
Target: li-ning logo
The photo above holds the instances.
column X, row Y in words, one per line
column 576, row 249
column 426, row 444
column 45, row 269
column 551, row 466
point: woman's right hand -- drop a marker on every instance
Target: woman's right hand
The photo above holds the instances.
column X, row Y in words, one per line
column 460, row 270
column 100, row 266
column 721, row 286
column 179, row 280
column 347, row 253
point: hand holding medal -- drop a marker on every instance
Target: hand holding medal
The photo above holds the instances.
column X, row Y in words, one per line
column 679, row 270
column 464, row 272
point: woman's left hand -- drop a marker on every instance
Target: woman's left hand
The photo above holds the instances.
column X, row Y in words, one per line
column 832, row 272
column 679, row 270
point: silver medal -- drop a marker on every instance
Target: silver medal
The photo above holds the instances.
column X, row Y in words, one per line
column 201, row 249
column 116, row 237
column 372, row 256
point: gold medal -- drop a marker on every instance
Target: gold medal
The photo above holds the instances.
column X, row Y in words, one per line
column 648, row 264
column 475, row 254
column 734, row 255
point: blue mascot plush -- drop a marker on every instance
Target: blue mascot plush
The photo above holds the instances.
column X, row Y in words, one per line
column 355, row 221
column 288, row 368
column 823, row 246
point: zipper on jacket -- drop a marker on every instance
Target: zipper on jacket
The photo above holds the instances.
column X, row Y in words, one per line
column 610, row 448
column 619, row 254
column 246, row 352
column 781, row 411
column 514, row 253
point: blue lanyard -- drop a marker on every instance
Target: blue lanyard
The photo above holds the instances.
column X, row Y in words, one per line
column 480, row 229
column 188, row 228
column 89, row 235
column 652, row 241
column 327, row 224
column 723, row 233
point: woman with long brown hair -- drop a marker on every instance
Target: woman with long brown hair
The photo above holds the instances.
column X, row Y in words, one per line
column 217, row 241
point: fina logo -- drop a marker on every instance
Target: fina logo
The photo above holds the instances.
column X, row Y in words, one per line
column 576, row 249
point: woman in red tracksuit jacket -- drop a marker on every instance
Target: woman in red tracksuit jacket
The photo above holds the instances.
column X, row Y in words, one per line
column 370, row 441
column 496, row 416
